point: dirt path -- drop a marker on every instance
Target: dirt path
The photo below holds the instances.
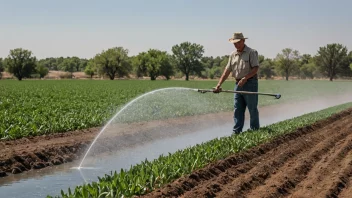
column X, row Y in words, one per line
column 315, row 161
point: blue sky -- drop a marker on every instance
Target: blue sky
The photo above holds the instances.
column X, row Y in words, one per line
column 84, row 28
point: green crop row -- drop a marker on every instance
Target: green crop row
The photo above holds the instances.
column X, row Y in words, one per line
column 149, row 175
column 37, row 107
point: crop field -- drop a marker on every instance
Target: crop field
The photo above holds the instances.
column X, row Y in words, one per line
column 50, row 122
column 32, row 108
column 318, row 144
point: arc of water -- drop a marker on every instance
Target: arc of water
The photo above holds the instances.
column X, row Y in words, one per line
column 128, row 104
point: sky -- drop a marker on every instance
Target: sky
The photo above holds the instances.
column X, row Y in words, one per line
column 84, row 28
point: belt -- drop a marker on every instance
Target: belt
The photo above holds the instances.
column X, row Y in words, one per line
column 255, row 76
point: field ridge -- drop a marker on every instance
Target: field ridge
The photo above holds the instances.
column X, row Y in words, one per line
column 276, row 168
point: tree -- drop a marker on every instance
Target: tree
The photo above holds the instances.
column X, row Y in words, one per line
column 215, row 72
column 208, row 62
column 41, row 70
column 331, row 59
column 187, row 57
column 68, row 65
column 225, row 60
column 76, row 62
column 154, row 63
column 83, row 64
column 50, row 63
column 90, row 68
column 167, row 68
column 139, row 64
column 305, row 59
column 308, row 70
column 113, row 61
column 20, row 63
column 287, row 62
column 1, row 67
column 261, row 58
column 266, row 68
column 307, row 67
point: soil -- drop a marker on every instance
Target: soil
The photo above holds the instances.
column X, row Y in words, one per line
column 314, row 161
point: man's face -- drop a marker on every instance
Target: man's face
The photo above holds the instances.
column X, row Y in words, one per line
column 239, row 45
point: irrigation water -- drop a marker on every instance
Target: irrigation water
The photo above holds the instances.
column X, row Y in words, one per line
column 138, row 111
column 154, row 116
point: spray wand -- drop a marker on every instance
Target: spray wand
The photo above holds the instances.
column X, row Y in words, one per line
column 277, row 96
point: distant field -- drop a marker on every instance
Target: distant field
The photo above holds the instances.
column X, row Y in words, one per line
column 36, row 107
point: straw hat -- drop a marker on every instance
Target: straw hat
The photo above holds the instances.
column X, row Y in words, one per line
column 237, row 36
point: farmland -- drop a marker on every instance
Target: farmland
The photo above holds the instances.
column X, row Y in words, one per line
column 296, row 145
column 33, row 112
column 32, row 108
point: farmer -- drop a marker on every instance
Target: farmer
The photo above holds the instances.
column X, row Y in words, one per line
column 244, row 65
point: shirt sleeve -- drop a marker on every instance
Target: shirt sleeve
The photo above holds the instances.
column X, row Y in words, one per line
column 228, row 66
column 253, row 57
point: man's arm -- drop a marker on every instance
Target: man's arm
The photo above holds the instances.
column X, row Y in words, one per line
column 252, row 73
column 223, row 77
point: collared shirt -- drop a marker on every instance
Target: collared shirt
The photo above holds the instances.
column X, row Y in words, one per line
column 241, row 63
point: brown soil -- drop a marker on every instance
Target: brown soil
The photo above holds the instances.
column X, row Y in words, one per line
column 41, row 151
column 314, row 161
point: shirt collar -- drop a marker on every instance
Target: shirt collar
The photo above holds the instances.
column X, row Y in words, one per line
column 244, row 50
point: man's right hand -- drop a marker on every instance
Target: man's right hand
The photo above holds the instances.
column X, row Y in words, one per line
column 217, row 89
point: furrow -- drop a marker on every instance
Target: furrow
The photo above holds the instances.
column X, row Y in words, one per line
column 295, row 172
column 340, row 182
column 320, row 178
column 306, row 151
column 251, row 169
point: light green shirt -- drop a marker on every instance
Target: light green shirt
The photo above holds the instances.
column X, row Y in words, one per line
column 241, row 63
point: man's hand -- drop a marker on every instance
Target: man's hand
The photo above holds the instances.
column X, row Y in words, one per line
column 217, row 89
column 242, row 82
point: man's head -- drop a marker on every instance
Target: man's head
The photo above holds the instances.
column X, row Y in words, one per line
column 238, row 40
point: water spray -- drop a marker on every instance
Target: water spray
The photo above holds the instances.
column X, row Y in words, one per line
column 277, row 96
column 80, row 167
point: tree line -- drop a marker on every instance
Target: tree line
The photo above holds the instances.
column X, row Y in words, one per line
column 331, row 61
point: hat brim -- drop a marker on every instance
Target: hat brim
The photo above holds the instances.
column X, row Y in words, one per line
column 236, row 40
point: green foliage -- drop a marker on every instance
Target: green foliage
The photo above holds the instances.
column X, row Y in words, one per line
column 215, row 72
column 188, row 58
column 261, row 59
column 41, row 70
column 308, row 70
column 68, row 65
column 76, row 62
column 20, row 63
column 287, row 62
column 331, row 59
column 90, row 68
column 2, row 68
column 266, row 69
column 154, row 63
column 113, row 62
column 305, row 59
column 150, row 175
column 50, row 63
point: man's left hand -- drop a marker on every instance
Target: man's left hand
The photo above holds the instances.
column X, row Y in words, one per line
column 242, row 82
